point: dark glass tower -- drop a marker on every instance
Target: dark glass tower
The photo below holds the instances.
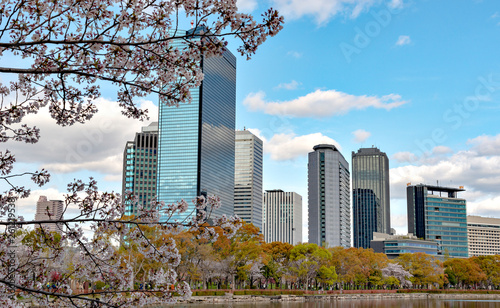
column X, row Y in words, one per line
column 436, row 213
column 196, row 140
column 371, row 199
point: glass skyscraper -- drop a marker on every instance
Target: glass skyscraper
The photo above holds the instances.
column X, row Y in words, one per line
column 139, row 167
column 196, row 140
column 248, row 178
column 371, row 199
column 436, row 213
column 329, row 197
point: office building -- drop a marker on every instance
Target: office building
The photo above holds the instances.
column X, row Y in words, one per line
column 483, row 235
column 49, row 210
column 139, row 168
column 371, row 199
column 248, row 194
column 197, row 139
column 329, row 197
column 436, row 213
column 395, row 245
column 282, row 217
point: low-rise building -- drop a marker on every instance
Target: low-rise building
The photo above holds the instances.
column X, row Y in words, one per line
column 484, row 235
column 395, row 245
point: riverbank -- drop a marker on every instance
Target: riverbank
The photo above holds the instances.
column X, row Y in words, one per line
column 231, row 298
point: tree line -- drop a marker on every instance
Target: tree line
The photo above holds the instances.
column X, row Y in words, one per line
column 246, row 261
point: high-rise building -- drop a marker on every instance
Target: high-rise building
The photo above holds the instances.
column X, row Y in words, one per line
column 483, row 235
column 139, row 167
column 370, row 198
column 436, row 213
column 282, row 217
column 196, row 140
column 49, row 210
column 248, row 178
column 329, row 197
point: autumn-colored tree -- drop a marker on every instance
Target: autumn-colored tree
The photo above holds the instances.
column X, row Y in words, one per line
column 426, row 269
column 359, row 266
column 489, row 265
column 465, row 271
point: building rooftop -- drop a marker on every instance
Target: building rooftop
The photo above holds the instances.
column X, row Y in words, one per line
column 325, row 146
column 483, row 220
column 435, row 188
column 367, row 151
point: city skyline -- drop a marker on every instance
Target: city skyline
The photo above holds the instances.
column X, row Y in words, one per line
column 442, row 125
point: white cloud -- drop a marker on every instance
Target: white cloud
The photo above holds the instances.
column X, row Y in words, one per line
column 396, row 4
column 441, row 149
column 361, row 135
column 399, row 221
column 289, row 146
column 294, row 54
column 486, row 145
column 489, row 207
column 95, row 146
column 246, row 6
column 288, row 86
column 321, row 104
column 405, row 157
column 479, row 174
column 322, row 10
column 403, row 40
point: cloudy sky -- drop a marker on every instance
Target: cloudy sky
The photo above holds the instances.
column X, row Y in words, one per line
column 418, row 79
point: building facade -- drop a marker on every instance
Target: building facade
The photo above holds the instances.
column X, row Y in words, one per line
column 282, row 220
column 436, row 213
column 395, row 245
column 49, row 210
column 329, row 197
column 371, row 198
column 483, row 235
column 248, row 194
column 196, row 140
column 139, row 168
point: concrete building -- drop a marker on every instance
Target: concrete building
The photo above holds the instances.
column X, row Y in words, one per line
column 394, row 245
column 329, row 197
column 139, row 167
column 248, row 194
column 197, row 140
column 371, row 198
column 483, row 235
column 436, row 213
column 49, row 210
column 282, row 217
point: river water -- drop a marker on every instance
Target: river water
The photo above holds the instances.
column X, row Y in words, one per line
column 363, row 303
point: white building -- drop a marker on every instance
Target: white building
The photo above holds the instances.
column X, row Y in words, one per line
column 329, row 197
column 248, row 178
column 483, row 235
column 49, row 210
column 282, row 217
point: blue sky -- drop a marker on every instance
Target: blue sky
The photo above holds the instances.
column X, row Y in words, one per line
column 418, row 79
